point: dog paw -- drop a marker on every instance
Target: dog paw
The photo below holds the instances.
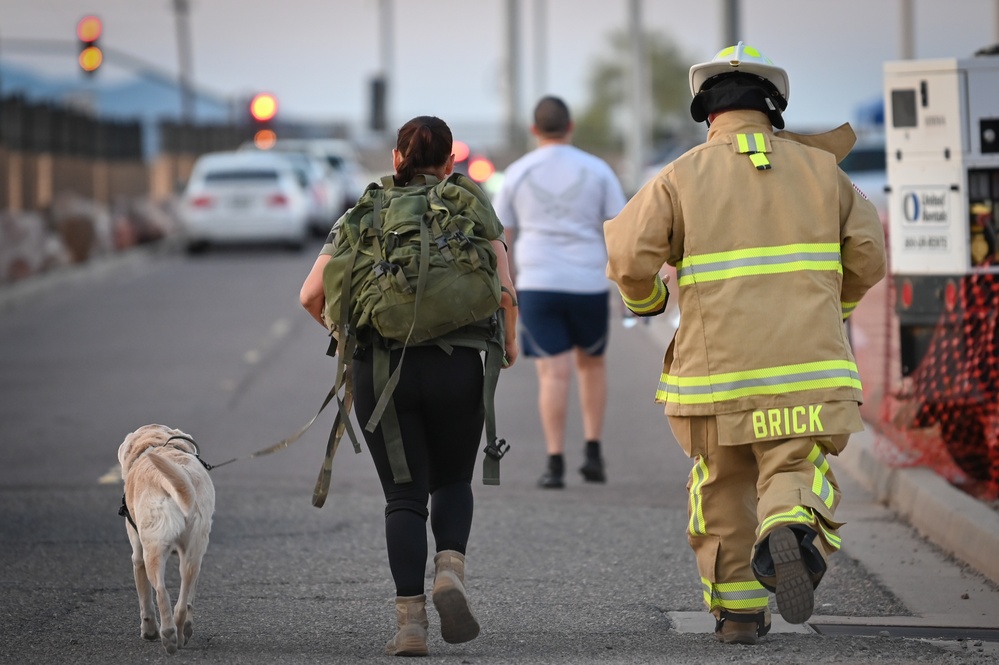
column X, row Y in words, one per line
column 149, row 629
column 169, row 638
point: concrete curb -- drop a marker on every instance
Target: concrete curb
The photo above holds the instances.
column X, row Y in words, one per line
column 15, row 293
column 946, row 516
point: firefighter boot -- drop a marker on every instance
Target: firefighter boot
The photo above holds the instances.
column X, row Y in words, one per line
column 778, row 565
column 593, row 468
column 458, row 622
column 794, row 590
column 737, row 628
column 411, row 638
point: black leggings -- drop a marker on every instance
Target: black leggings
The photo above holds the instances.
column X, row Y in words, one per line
column 439, row 406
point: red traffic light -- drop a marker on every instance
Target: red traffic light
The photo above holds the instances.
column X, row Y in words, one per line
column 460, row 151
column 89, row 29
column 263, row 107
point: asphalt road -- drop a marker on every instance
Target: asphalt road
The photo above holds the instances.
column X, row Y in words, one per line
column 218, row 346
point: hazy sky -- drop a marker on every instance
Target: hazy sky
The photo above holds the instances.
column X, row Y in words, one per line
column 317, row 56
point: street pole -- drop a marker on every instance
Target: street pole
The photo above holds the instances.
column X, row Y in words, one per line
column 907, row 26
column 730, row 22
column 514, row 135
column 638, row 136
column 181, row 11
column 386, row 58
column 540, row 48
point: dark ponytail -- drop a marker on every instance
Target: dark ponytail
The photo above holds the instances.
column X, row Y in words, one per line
column 425, row 144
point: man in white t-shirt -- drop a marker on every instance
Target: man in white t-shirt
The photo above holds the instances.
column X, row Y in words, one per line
column 553, row 204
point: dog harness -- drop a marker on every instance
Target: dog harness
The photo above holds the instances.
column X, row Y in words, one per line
column 123, row 510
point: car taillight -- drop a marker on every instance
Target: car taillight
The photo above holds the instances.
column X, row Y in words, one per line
column 319, row 193
column 201, row 202
column 277, row 200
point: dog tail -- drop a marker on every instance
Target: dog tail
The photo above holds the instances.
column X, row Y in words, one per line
column 179, row 484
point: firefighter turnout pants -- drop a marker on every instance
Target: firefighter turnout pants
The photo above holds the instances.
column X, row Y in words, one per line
column 739, row 493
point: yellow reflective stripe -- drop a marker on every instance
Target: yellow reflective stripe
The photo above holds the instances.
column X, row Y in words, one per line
column 848, row 308
column 760, row 161
column 651, row 303
column 698, row 475
column 821, row 487
column 747, row 595
column 759, row 261
column 834, row 541
column 800, row 515
column 797, row 515
column 765, row 381
column 743, row 142
column 759, row 143
column 750, row 271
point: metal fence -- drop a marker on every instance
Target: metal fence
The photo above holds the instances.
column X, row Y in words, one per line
column 47, row 148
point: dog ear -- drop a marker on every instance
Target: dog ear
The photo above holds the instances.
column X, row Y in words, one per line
column 124, row 451
column 137, row 441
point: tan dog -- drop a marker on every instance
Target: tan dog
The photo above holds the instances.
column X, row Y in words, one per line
column 169, row 500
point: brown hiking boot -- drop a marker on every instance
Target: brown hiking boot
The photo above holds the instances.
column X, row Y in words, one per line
column 458, row 622
column 794, row 589
column 411, row 638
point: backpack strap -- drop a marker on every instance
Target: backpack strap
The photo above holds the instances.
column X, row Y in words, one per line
column 385, row 383
column 344, row 378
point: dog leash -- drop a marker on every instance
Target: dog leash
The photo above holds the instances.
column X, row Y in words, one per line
column 280, row 445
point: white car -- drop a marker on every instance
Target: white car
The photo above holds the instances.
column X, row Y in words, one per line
column 326, row 189
column 245, row 197
column 343, row 159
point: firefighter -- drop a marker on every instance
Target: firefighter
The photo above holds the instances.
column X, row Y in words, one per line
column 773, row 248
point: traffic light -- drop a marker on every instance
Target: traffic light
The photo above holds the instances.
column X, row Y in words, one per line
column 478, row 168
column 88, row 31
column 263, row 109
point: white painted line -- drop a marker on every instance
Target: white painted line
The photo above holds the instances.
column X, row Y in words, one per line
column 112, row 477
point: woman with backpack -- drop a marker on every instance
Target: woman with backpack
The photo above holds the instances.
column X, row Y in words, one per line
column 438, row 403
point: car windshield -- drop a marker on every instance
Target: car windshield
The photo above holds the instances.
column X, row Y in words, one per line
column 242, row 175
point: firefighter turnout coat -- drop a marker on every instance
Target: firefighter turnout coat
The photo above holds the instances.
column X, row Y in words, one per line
column 773, row 248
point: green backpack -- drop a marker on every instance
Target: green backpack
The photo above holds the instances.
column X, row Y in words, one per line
column 411, row 268
column 408, row 263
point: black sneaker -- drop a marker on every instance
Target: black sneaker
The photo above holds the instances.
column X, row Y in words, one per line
column 593, row 470
column 551, row 481
column 553, row 476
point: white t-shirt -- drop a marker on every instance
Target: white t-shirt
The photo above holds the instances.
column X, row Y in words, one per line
column 557, row 197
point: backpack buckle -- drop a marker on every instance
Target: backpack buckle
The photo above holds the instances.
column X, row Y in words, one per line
column 497, row 449
column 461, row 239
